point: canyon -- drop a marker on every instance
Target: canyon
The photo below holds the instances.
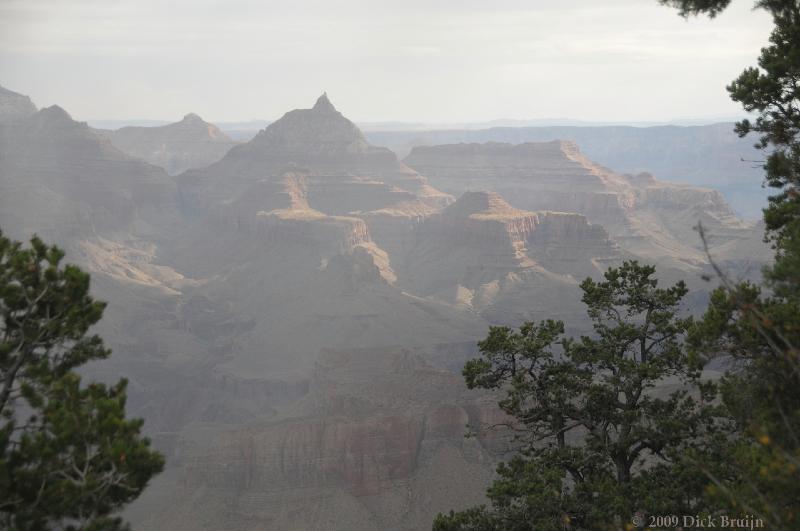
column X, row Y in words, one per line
column 710, row 155
column 293, row 312
column 649, row 218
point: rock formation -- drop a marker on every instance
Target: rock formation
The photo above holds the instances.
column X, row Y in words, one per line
column 299, row 191
column 293, row 317
column 313, row 160
column 343, row 172
column 378, row 441
column 651, row 219
column 286, row 269
column 711, row 155
column 188, row 144
column 75, row 182
column 480, row 251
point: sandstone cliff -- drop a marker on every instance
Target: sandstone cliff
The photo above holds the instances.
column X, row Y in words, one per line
column 704, row 155
column 651, row 219
column 480, row 250
column 343, row 173
column 312, row 163
column 315, row 260
column 293, row 318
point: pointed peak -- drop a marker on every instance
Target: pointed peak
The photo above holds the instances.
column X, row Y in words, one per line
column 316, row 138
column 324, row 104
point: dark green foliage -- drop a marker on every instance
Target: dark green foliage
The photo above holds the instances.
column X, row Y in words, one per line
column 746, row 448
column 760, row 327
column 771, row 90
column 695, row 7
column 68, row 456
column 598, row 442
column 761, row 472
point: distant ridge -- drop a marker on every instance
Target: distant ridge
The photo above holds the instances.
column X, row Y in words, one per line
column 14, row 106
column 703, row 155
column 651, row 218
column 293, row 318
column 74, row 181
column 177, row 147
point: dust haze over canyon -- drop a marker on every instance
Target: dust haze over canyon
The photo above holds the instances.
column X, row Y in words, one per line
column 293, row 310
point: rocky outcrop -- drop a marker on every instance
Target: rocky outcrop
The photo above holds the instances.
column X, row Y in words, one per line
column 76, row 182
column 704, row 155
column 327, row 234
column 311, row 180
column 342, row 173
column 649, row 218
column 294, row 319
column 188, row 144
column 319, row 138
column 14, row 106
column 546, row 176
column 481, row 247
column 296, row 207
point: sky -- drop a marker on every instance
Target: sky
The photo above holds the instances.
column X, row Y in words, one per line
column 432, row 61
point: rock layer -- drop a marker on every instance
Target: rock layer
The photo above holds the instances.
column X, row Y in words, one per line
column 704, row 155
column 76, row 182
column 480, row 248
column 379, row 435
column 293, row 319
column 649, row 218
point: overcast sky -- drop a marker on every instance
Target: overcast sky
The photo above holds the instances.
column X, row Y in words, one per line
column 411, row 60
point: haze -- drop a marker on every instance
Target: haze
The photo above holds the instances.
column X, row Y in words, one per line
column 616, row 60
column 293, row 299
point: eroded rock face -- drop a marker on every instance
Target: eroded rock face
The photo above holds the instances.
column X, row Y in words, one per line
column 375, row 431
column 341, row 172
column 297, row 206
column 479, row 249
column 188, row 144
column 705, row 155
column 60, row 179
column 293, row 319
column 310, row 180
column 320, row 138
column 561, row 177
column 649, row 218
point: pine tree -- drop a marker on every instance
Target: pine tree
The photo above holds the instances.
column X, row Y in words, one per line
column 759, row 326
column 599, row 442
column 68, row 456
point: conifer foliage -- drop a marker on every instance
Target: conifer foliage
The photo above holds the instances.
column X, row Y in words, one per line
column 68, row 456
column 738, row 455
column 759, row 326
column 599, row 442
